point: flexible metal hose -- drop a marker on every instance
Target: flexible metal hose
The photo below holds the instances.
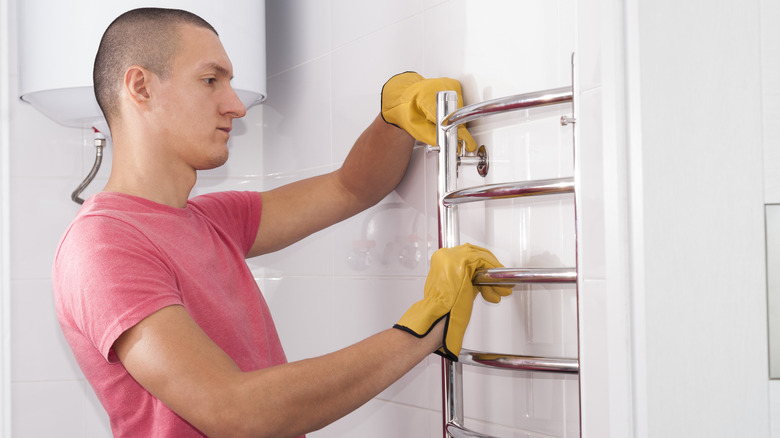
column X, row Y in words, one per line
column 100, row 143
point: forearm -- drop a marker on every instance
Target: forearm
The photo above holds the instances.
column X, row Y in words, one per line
column 373, row 168
column 377, row 162
column 303, row 396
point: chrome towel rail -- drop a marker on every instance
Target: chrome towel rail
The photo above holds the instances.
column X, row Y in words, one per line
column 523, row 363
column 506, row 104
column 504, row 276
column 510, row 190
column 448, row 117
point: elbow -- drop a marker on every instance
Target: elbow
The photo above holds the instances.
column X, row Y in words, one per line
column 234, row 418
column 229, row 421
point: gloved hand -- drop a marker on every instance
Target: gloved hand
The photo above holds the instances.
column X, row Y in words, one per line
column 449, row 293
column 409, row 102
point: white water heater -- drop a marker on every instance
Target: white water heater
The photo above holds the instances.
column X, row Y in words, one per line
column 58, row 40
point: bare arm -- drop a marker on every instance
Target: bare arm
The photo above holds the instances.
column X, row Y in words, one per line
column 175, row 361
column 373, row 168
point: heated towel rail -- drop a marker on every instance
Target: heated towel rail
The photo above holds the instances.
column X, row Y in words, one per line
column 448, row 118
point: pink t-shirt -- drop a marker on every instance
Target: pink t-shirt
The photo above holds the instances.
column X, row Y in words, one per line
column 124, row 258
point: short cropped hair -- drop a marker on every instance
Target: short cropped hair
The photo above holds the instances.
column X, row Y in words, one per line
column 147, row 37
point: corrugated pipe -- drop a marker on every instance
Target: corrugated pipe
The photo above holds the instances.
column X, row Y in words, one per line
column 100, row 143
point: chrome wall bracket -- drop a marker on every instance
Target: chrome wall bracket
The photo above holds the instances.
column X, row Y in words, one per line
column 478, row 159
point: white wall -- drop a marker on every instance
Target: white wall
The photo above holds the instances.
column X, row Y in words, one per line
column 5, row 281
column 700, row 241
column 673, row 339
column 326, row 64
column 770, row 62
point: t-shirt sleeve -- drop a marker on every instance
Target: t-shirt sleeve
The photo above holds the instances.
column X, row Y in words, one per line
column 236, row 213
column 110, row 277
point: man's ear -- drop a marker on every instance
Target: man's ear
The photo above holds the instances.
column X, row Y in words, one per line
column 137, row 85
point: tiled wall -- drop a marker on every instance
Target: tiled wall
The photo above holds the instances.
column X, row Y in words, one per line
column 327, row 61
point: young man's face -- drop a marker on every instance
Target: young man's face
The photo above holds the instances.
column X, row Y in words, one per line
column 197, row 104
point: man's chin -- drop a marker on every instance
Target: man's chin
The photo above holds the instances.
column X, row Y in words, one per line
column 214, row 162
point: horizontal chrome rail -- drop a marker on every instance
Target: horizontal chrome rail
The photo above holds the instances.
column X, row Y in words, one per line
column 510, row 190
column 522, row 363
column 503, row 276
column 506, row 104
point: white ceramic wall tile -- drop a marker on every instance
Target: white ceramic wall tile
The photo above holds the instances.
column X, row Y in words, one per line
column 395, row 237
column 484, row 49
column 592, row 220
column 343, row 314
column 297, row 31
column 387, row 239
column 48, row 409
column 41, row 210
column 357, row 82
column 97, row 423
column 312, row 256
column 535, row 320
column 303, row 311
column 365, row 306
column 435, row 402
column 40, row 350
column 427, row 4
column 591, row 16
column 414, row 388
column 353, row 19
column 520, row 400
column 380, row 419
column 444, row 34
column 297, row 119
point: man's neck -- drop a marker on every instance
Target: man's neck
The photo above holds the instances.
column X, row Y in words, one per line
column 156, row 183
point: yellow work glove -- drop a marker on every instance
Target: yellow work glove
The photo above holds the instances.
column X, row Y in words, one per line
column 449, row 293
column 409, row 102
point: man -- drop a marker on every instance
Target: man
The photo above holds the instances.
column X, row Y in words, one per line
column 152, row 292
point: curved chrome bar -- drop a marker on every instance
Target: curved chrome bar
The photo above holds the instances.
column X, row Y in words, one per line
column 510, row 190
column 503, row 276
column 523, row 363
column 506, row 104
column 456, row 430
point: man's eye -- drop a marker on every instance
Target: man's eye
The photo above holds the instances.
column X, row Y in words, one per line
column 209, row 81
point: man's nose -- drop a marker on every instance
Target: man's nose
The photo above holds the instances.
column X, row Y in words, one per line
column 233, row 105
